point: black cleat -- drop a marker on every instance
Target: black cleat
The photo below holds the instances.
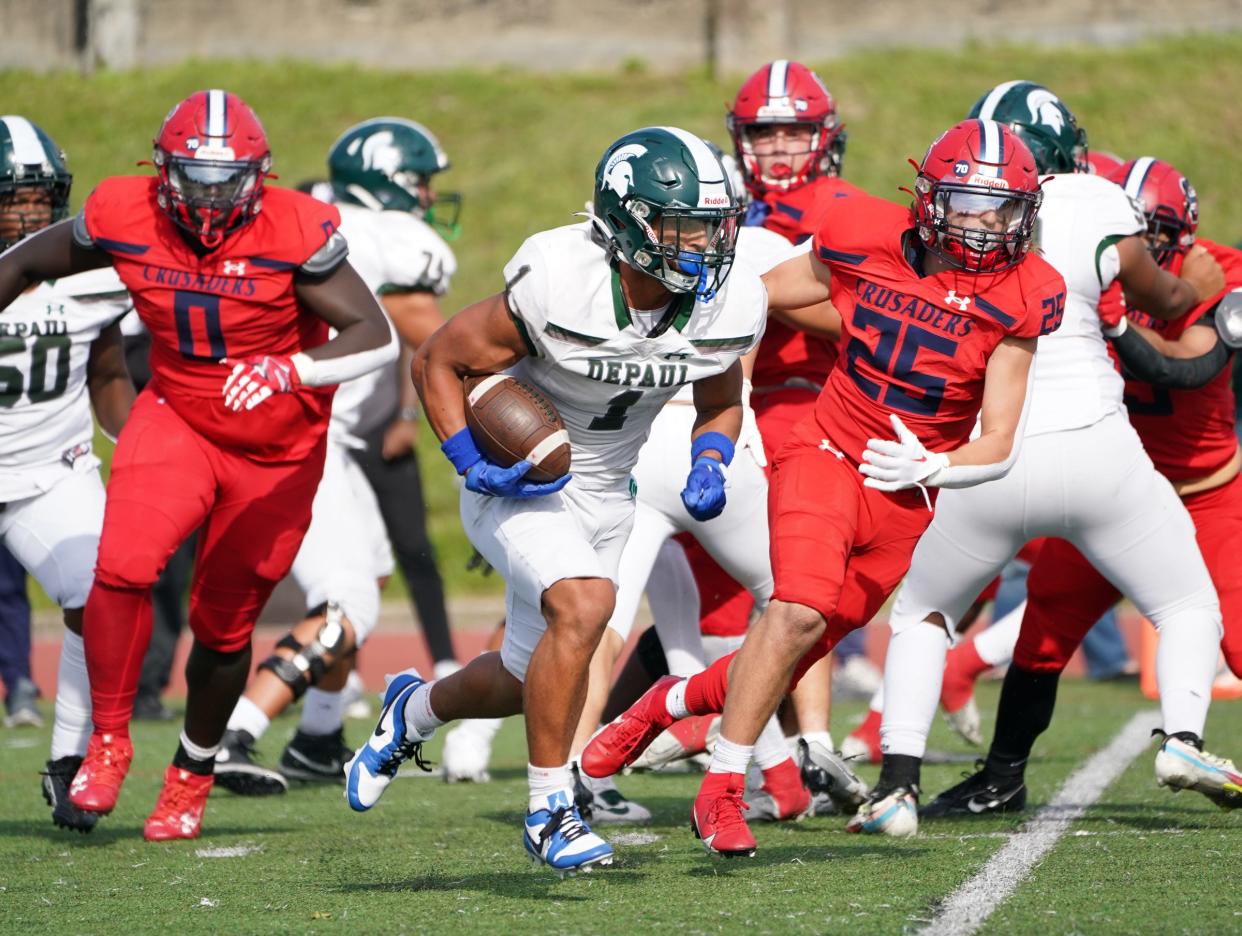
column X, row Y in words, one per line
column 979, row 794
column 57, row 778
column 584, row 799
column 237, row 772
column 316, row 758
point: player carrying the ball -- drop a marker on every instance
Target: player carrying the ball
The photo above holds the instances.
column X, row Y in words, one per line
column 608, row 318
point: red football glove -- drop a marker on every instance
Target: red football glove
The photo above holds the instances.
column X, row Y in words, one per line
column 256, row 378
column 1112, row 308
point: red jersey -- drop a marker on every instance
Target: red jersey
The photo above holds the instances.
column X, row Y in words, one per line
column 917, row 346
column 786, row 353
column 234, row 301
column 1188, row 433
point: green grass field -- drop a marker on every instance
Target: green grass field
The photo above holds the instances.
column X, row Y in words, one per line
column 432, row 858
column 524, row 146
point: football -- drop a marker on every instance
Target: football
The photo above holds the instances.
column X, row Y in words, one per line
column 511, row 421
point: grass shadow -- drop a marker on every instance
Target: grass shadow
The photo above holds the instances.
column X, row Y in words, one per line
column 533, row 884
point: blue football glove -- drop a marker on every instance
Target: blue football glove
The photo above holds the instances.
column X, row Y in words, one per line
column 704, row 494
column 485, row 477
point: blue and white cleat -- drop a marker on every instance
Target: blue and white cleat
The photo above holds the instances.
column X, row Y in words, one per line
column 390, row 745
column 892, row 812
column 1183, row 766
column 557, row 837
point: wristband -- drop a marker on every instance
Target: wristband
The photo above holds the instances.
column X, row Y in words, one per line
column 461, row 450
column 1115, row 331
column 712, row 440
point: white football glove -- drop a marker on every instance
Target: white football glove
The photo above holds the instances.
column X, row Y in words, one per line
column 897, row 466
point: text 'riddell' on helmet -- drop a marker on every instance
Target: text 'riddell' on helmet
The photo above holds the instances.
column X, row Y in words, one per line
column 386, row 164
column 30, row 160
column 664, row 204
column 1048, row 128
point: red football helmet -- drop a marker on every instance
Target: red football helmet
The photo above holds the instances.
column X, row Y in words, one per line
column 1102, row 163
column 976, row 197
column 212, row 157
column 784, row 92
column 1167, row 200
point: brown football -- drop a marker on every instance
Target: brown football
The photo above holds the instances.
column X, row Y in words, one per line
column 511, row 421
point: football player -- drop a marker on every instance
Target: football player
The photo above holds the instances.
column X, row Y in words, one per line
column 230, row 433
column 1179, row 400
column 380, row 173
column 609, row 318
column 941, row 304
column 1082, row 474
column 62, row 356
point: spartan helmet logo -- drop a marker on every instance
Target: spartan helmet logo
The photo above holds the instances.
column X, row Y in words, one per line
column 619, row 174
column 378, row 152
column 1042, row 104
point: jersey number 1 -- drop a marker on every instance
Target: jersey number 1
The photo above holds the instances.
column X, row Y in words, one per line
column 614, row 417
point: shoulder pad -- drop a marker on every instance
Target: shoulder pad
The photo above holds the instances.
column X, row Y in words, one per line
column 81, row 236
column 1228, row 317
column 328, row 257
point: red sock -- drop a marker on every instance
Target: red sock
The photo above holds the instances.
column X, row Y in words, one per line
column 869, row 730
column 715, row 784
column 961, row 669
column 783, row 776
column 116, row 630
column 705, row 691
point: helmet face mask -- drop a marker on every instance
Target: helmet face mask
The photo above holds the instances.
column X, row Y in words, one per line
column 34, row 180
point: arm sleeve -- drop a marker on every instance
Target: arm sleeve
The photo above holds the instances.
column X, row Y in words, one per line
column 962, row 476
column 1142, row 360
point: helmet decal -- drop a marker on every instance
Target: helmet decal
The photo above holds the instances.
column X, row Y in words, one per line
column 378, row 152
column 1042, row 104
column 619, row 173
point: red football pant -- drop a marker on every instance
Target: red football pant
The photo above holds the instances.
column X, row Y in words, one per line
column 166, row 482
column 725, row 606
column 1066, row 595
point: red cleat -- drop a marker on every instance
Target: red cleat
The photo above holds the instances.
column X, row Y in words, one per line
column 619, row 743
column 717, row 816
column 782, row 795
column 178, row 813
column 863, row 743
column 98, row 781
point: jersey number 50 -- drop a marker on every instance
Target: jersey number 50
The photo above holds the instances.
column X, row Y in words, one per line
column 897, row 360
column 40, row 388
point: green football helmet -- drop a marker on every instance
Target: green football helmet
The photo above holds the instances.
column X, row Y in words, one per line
column 386, row 164
column 1043, row 122
column 29, row 160
column 664, row 204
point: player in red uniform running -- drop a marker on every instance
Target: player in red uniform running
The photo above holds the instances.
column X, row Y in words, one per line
column 941, row 305
column 1181, row 404
column 238, row 284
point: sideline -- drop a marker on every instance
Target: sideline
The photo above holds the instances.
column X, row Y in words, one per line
column 967, row 908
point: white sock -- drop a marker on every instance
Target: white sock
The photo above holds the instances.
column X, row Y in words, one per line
column 419, row 717
column 1185, row 667
column 770, row 747
column 197, row 751
column 729, row 757
column 545, row 782
column 995, row 645
column 71, row 729
column 913, row 672
column 249, row 718
column 823, row 737
column 322, row 712
column 675, row 701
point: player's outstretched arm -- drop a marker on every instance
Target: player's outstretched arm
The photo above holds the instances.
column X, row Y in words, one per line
column 364, row 337
column 1187, row 362
column 49, row 254
column 1157, row 291
column 798, row 283
column 821, row 319
column 107, row 379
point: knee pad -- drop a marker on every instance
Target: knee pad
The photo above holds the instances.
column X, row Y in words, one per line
column 358, row 598
column 309, row 661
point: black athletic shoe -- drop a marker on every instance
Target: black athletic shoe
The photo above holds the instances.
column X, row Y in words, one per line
column 316, row 758
column 584, row 799
column 979, row 794
column 57, row 778
column 237, row 772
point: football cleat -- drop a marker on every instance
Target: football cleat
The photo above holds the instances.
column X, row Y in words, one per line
column 681, row 740
column 316, row 758
column 979, row 794
column 600, row 801
column 468, row 750
column 777, row 794
column 893, row 812
column 237, row 772
column 178, row 813
column 557, row 837
column 966, row 722
column 861, row 749
column 97, row 784
column 1181, row 765
column 619, row 743
column 824, row 772
column 716, row 818
column 57, row 776
column 390, row 745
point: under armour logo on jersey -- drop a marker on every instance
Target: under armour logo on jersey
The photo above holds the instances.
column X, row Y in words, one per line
column 826, row 446
column 954, row 299
column 232, row 268
column 677, row 356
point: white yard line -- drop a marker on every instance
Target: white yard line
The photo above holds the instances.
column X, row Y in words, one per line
column 966, row 909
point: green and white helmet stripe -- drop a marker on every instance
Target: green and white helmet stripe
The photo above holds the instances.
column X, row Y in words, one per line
column 1041, row 119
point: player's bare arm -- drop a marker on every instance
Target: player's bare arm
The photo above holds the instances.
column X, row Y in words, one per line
column 1158, row 292
column 107, row 379
column 821, row 319
column 50, row 254
column 718, row 402
column 346, row 303
column 416, row 315
column 796, row 284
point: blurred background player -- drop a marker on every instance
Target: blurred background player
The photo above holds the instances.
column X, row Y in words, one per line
column 380, row 172
column 63, row 355
column 21, row 695
column 231, row 432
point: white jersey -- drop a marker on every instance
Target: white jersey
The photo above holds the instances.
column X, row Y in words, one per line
column 393, row 251
column 45, row 411
column 1080, row 221
column 607, row 378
